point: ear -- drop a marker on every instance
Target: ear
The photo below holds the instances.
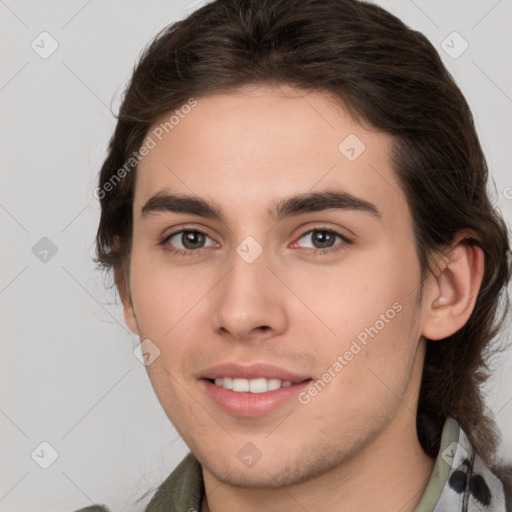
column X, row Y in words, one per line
column 123, row 286
column 453, row 291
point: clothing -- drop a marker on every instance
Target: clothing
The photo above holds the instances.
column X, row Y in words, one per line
column 460, row 482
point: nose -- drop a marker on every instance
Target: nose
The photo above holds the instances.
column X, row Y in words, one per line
column 249, row 302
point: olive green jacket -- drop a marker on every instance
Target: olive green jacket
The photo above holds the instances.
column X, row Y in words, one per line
column 460, row 481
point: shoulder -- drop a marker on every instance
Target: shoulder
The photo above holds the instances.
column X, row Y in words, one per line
column 183, row 489
column 504, row 473
column 94, row 508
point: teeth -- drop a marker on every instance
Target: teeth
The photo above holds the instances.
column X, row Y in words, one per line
column 260, row 385
column 226, row 383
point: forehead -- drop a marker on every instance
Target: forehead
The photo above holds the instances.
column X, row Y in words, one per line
column 246, row 149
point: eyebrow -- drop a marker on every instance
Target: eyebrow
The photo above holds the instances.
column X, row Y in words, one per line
column 164, row 201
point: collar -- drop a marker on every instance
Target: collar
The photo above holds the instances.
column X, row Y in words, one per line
column 460, row 481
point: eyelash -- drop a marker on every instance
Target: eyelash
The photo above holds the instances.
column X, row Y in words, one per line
column 314, row 252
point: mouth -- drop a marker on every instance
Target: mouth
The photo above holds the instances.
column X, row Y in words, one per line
column 251, row 391
column 261, row 401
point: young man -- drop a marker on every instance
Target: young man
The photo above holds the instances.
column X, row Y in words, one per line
column 294, row 206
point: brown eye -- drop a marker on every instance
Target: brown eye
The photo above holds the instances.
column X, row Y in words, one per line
column 187, row 240
column 324, row 239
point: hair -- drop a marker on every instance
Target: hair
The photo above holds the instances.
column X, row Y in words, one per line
column 384, row 74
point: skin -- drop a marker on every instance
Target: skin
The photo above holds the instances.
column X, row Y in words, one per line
column 354, row 446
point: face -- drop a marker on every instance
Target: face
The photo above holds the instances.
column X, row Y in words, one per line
column 319, row 292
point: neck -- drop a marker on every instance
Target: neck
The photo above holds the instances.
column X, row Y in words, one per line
column 390, row 473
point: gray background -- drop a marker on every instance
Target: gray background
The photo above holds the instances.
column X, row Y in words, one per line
column 68, row 373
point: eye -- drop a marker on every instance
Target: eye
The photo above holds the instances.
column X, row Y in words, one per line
column 186, row 240
column 323, row 240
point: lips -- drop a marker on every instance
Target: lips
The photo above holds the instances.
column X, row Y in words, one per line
column 254, row 371
column 251, row 391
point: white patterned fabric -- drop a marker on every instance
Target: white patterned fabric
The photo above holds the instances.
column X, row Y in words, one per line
column 460, row 481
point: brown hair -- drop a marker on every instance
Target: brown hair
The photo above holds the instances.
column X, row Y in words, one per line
column 383, row 73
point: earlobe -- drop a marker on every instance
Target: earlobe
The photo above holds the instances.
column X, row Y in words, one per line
column 453, row 291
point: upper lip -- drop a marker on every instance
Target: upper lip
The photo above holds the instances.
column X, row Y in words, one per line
column 253, row 371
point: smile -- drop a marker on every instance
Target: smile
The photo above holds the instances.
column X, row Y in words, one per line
column 251, row 398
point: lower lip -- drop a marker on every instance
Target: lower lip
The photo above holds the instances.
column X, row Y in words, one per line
column 251, row 405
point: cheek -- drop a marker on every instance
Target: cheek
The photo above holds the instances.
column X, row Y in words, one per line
column 163, row 295
column 352, row 296
column 369, row 306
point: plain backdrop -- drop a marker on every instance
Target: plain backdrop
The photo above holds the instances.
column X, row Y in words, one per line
column 69, row 377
